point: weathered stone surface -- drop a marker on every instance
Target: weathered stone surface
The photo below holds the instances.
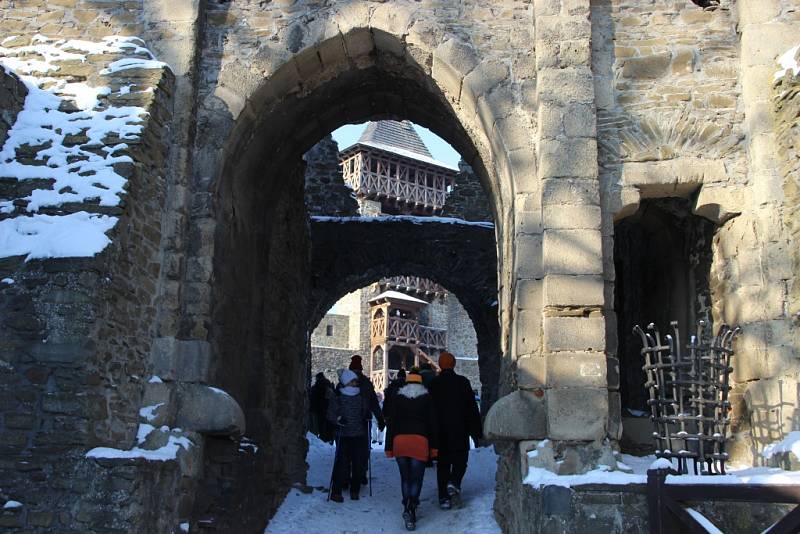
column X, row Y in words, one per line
column 566, row 422
column 517, row 416
column 185, row 360
column 208, row 410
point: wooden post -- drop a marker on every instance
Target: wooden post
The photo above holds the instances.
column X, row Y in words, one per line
column 657, row 510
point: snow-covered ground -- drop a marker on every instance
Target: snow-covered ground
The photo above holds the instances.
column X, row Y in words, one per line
column 312, row 514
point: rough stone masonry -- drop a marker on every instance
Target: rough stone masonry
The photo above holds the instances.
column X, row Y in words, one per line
column 162, row 380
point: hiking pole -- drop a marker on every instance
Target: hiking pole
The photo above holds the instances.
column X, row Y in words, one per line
column 369, row 458
column 335, row 461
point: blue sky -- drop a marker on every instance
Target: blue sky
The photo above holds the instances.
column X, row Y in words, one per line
column 349, row 134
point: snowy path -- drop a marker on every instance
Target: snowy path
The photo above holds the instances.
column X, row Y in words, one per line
column 312, row 514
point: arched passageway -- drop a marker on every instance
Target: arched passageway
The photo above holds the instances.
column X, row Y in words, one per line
column 265, row 297
column 459, row 256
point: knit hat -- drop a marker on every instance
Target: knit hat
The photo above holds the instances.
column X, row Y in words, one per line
column 414, row 378
column 347, row 377
column 447, row 360
column 355, row 363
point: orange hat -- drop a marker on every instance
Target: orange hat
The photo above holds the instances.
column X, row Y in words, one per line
column 447, row 360
column 414, row 378
column 355, row 363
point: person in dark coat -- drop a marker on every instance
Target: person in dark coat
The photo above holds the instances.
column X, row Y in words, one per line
column 412, row 439
column 349, row 410
column 391, row 390
column 428, row 373
column 318, row 406
column 368, row 391
column 459, row 419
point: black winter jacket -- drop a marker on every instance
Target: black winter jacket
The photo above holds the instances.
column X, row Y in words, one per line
column 412, row 412
column 456, row 411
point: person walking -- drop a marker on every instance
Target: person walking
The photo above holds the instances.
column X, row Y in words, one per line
column 459, row 419
column 368, row 391
column 391, row 390
column 349, row 411
column 320, row 392
column 412, row 440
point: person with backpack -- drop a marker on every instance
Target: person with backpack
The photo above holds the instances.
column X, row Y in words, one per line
column 349, row 410
column 412, row 440
column 459, row 419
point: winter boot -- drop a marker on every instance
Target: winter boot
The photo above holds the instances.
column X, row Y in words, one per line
column 337, row 497
column 445, row 504
column 455, row 494
column 410, row 517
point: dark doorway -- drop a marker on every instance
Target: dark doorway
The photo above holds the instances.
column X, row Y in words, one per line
column 662, row 258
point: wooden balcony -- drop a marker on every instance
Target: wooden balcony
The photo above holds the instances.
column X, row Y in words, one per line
column 432, row 338
column 413, row 284
column 411, row 186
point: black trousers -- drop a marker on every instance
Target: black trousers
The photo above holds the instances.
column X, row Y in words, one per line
column 450, row 467
column 351, row 460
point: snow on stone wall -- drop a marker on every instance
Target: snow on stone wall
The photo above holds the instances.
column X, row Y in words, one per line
column 68, row 149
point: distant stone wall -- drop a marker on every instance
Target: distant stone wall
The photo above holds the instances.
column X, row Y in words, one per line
column 12, row 98
column 339, row 337
column 325, row 190
column 461, row 338
column 329, row 361
column 468, row 200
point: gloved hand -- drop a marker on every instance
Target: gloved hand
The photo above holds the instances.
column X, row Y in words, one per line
column 381, row 425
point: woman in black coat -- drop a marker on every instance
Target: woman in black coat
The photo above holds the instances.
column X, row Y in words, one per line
column 411, row 439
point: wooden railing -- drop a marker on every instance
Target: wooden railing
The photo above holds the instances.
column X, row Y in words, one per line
column 435, row 338
column 378, row 328
column 413, row 283
column 668, row 514
column 405, row 329
column 373, row 176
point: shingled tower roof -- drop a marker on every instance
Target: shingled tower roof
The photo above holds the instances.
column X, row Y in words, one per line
column 394, row 134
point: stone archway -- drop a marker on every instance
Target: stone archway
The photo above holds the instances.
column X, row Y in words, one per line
column 255, row 315
column 460, row 257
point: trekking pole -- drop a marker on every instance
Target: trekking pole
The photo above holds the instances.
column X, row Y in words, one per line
column 335, row 461
column 369, row 458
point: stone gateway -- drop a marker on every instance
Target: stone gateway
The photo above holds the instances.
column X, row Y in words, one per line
column 159, row 273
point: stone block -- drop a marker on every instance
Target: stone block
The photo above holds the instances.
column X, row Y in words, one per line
column 159, row 404
column 567, row 158
column 529, row 294
column 575, row 191
column 532, row 372
column 528, row 222
column 574, row 334
column 550, row 120
column 529, row 331
column 580, row 120
column 573, row 84
column 529, row 256
column 517, row 416
column 484, row 78
column 576, row 369
column 184, row 360
column 208, row 410
column 572, row 217
column 567, row 290
column 572, row 252
column 647, row 67
column 614, row 415
column 577, row 414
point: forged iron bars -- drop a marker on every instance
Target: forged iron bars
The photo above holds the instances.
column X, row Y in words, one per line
column 688, row 394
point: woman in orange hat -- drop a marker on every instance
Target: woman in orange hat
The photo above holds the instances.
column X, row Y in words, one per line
column 411, row 439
